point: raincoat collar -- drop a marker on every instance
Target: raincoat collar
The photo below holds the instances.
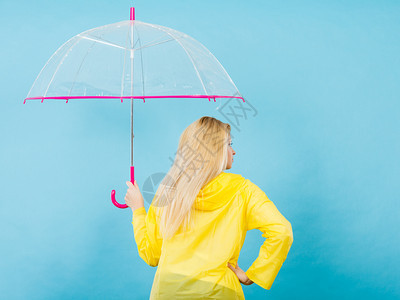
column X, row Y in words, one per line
column 218, row 191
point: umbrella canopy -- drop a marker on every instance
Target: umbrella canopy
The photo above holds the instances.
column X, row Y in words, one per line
column 132, row 59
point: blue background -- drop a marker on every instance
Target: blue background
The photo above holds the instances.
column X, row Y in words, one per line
column 324, row 146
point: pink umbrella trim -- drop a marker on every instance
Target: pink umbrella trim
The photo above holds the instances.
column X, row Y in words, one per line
column 209, row 97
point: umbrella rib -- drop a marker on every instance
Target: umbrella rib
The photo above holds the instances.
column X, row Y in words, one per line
column 58, row 67
column 44, row 67
column 79, row 69
column 154, row 44
column 141, row 59
column 190, row 57
column 62, row 60
column 136, row 41
column 123, row 69
column 222, row 67
column 101, row 41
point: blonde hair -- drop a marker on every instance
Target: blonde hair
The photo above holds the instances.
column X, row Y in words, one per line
column 201, row 156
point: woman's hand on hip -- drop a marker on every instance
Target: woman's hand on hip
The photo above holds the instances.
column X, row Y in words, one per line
column 133, row 197
column 241, row 274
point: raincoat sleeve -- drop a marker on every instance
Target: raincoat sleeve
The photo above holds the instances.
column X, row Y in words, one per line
column 147, row 237
column 262, row 214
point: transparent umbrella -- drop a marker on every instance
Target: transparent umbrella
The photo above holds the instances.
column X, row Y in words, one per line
column 132, row 60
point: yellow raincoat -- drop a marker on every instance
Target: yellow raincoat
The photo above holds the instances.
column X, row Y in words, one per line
column 193, row 264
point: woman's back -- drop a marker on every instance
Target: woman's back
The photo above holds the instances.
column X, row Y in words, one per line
column 193, row 264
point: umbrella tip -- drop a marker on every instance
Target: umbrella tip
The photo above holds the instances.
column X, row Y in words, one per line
column 132, row 13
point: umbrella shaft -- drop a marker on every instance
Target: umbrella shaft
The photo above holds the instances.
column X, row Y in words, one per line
column 131, row 56
column 132, row 132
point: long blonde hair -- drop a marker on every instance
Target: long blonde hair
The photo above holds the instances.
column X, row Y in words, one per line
column 201, row 156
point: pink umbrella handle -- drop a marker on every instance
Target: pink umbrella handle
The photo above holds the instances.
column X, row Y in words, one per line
column 119, row 205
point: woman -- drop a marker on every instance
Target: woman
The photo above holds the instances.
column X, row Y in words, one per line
column 197, row 222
